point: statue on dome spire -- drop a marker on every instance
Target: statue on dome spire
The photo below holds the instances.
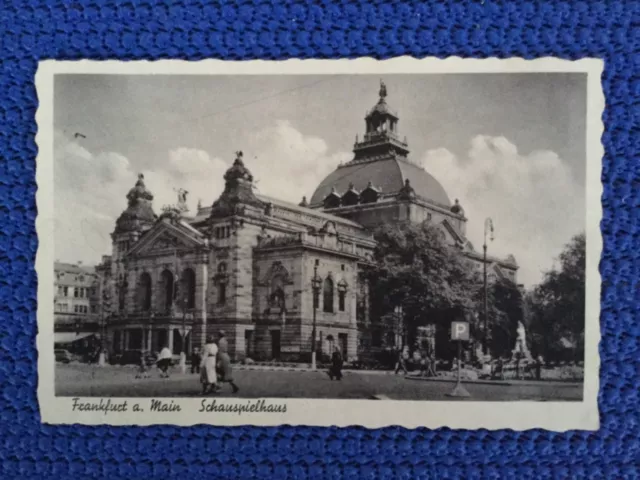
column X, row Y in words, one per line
column 383, row 91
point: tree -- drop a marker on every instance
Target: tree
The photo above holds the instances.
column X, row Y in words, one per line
column 415, row 268
column 505, row 312
column 558, row 303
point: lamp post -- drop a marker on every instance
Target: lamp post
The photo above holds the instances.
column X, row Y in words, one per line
column 315, row 285
column 488, row 228
column 106, row 307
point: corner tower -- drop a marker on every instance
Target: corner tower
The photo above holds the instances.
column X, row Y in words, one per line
column 136, row 219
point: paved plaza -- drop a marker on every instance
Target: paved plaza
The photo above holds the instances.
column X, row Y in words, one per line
column 117, row 381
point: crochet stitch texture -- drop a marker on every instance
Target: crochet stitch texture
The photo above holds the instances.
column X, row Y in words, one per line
column 189, row 29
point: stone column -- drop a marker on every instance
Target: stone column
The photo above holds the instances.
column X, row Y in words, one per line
column 149, row 340
column 170, row 338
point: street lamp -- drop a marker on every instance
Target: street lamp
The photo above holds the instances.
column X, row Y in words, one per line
column 315, row 285
column 488, row 228
column 106, row 307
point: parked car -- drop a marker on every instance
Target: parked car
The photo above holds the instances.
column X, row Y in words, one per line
column 63, row 356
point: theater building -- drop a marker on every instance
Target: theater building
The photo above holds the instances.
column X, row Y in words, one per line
column 262, row 269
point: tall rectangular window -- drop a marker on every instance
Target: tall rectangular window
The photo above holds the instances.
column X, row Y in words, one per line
column 341, row 300
column 222, row 293
column 76, row 292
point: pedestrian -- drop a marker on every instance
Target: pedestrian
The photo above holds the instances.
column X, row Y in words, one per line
column 143, row 371
column 224, row 362
column 431, row 365
column 402, row 360
column 164, row 361
column 539, row 362
column 416, row 360
column 498, row 372
column 196, row 358
column 336, row 364
column 208, row 374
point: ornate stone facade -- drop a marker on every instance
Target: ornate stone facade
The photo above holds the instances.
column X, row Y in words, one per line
column 245, row 265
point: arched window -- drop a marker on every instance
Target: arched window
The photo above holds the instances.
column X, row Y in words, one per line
column 328, row 295
column 189, row 288
column 166, row 277
column 276, row 298
column 144, row 292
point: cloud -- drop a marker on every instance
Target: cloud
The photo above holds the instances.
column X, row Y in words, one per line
column 534, row 201
column 288, row 164
column 89, row 194
column 90, row 188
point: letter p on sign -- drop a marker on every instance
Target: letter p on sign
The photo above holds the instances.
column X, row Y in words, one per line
column 460, row 331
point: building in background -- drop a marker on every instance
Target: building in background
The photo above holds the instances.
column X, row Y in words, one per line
column 76, row 306
column 266, row 271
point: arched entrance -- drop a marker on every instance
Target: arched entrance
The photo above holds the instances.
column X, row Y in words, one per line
column 177, row 342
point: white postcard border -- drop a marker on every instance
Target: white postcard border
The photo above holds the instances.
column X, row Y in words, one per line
column 519, row 415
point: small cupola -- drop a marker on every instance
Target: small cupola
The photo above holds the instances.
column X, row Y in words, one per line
column 457, row 208
column 406, row 192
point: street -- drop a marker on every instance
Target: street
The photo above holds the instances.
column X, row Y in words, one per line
column 92, row 381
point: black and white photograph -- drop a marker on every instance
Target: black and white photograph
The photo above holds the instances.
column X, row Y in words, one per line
column 397, row 238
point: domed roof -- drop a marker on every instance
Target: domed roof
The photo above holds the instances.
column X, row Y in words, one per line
column 388, row 175
column 139, row 212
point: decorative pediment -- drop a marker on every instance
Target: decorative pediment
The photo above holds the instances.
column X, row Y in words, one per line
column 166, row 237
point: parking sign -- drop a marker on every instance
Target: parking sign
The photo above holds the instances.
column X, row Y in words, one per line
column 460, row 331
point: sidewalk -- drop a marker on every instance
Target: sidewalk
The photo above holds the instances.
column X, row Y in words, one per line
column 307, row 368
column 505, row 383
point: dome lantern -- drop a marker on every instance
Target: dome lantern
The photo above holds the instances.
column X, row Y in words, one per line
column 382, row 158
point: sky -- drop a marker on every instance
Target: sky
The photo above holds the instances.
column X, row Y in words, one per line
column 509, row 146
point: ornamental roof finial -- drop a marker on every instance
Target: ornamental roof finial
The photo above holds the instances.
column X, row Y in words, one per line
column 383, row 91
